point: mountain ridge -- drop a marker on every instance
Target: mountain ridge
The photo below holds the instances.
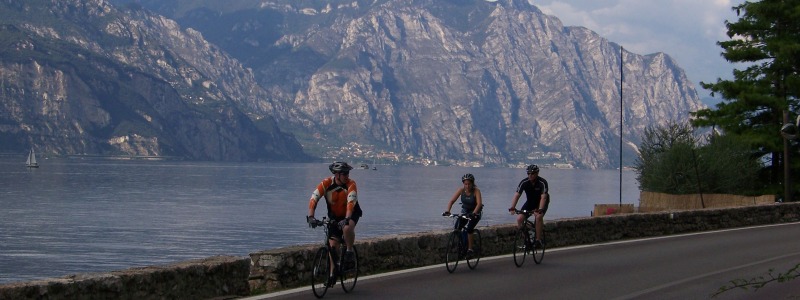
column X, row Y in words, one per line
column 446, row 82
column 77, row 79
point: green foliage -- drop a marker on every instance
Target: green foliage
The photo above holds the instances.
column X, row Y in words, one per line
column 666, row 159
column 672, row 160
column 766, row 39
column 760, row 281
column 729, row 167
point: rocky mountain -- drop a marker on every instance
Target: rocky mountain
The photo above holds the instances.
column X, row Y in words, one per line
column 469, row 82
column 465, row 81
column 82, row 77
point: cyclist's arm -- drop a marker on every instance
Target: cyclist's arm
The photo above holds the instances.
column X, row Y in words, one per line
column 454, row 198
column 315, row 196
column 478, row 201
column 542, row 202
column 545, row 194
column 514, row 200
column 352, row 199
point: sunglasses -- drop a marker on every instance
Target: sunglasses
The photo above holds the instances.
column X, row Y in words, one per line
column 344, row 173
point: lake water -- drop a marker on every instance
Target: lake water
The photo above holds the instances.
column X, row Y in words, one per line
column 82, row 216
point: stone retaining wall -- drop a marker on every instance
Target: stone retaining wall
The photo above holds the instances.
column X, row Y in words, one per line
column 194, row 279
column 222, row 277
column 284, row 268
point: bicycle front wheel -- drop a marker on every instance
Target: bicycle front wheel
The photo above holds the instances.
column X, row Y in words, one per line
column 319, row 276
column 349, row 271
column 520, row 247
column 452, row 251
column 538, row 250
column 475, row 257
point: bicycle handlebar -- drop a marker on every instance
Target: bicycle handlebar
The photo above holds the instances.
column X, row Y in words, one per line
column 314, row 222
column 526, row 212
column 463, row 216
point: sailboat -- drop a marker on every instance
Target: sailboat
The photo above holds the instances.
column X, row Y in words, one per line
column 31, row 162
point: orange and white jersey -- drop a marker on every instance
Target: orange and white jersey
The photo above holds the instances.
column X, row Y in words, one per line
column 339, row 198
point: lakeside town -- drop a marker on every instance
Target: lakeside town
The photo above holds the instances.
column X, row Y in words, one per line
column 367, row 155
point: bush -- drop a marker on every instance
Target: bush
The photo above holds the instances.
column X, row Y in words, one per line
column 672, row 161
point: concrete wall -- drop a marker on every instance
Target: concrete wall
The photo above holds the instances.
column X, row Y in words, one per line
column 652, row 201
column 277, row 269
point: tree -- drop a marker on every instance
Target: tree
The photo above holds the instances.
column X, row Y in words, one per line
column 728, row 166
column 673, row 160
column 762, row 96
column 665, row 159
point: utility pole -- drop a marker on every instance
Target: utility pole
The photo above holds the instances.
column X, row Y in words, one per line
column 621, row 81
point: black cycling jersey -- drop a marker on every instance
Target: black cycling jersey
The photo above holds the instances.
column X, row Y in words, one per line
column 533, row 192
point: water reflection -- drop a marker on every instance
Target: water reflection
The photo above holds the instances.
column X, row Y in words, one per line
column 80, row 216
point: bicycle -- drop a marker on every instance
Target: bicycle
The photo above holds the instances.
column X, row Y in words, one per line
column 327, row 257
column 457, row 245
column 524, row 241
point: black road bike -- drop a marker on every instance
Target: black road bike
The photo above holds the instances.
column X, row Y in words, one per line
column 330, row 264
column 457, row 244
column 524, row 240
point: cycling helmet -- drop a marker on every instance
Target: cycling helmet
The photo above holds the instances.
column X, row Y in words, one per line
column 468, row 176
column 532, row 169
column 339, row 166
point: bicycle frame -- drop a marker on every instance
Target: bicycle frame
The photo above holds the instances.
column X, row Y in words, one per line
column 334, row 264
column 456, row 248
column 524, row 240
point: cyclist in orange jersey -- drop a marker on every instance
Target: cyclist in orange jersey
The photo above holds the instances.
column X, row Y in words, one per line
column 341, row 198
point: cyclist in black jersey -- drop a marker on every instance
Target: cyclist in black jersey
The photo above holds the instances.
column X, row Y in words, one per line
column 471, row 205
column 538, row 198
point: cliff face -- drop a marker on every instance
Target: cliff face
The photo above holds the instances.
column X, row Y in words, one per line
column 82, row 77
column 470, row 82
column 476, row 81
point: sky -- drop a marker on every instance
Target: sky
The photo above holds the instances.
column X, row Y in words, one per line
column 686, row 30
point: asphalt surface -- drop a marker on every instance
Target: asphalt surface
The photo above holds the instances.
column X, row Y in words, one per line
column 692, row 266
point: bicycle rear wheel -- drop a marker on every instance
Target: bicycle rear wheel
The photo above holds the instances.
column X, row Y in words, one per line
column 520, row 247
column 322, row 269
column 475, row 257
column 349, row 271
column 452, row 251
column 538, row 250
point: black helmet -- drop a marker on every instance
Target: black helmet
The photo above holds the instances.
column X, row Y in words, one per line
column 532, row 169
column 339, row 166
column 468, row 176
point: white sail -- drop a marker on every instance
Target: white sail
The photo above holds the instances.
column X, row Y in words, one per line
column 31, row 162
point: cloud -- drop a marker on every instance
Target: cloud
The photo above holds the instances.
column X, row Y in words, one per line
column 687, row 30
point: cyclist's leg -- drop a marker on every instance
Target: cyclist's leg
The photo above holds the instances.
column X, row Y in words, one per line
column 520, row 220
column 471, row 229
column 460, row 224
column 527, row 206
column 334, row 231
column 349, row 232
column 540, row 219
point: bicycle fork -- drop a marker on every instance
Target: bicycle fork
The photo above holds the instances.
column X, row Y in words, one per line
column 530, row 235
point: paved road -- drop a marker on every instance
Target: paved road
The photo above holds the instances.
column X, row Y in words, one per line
column 675, row 267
